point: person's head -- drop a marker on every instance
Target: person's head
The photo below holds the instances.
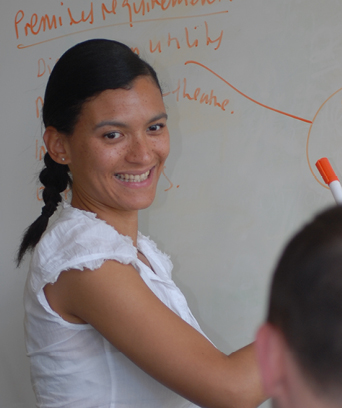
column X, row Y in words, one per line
column 84, row 71
column 300, row 346
column 81, row 76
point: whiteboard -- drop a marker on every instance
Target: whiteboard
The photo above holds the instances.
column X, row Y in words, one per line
column 253, row 93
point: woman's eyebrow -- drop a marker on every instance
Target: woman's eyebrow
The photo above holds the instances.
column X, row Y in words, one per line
column 116, row 123
column 162, row 115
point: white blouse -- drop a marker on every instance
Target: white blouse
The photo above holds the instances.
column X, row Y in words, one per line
column 72, row 365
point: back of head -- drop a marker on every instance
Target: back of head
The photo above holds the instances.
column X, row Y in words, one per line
column 306, row 301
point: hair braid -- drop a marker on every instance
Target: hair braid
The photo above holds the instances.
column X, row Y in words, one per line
column 55, row 178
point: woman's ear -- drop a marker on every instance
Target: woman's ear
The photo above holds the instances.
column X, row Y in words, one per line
column 55, row 143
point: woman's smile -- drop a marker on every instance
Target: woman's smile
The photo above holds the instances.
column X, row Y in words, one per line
column 118, row 148
column 133, row 178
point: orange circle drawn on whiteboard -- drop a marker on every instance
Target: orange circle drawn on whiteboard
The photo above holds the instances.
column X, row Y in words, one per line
column 310, row 134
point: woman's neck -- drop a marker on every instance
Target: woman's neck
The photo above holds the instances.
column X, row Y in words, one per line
column 125, row 222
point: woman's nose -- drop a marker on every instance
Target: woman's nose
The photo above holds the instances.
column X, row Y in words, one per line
column 140, row 150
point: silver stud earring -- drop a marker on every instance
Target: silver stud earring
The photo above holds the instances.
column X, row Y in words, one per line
column 63, row 158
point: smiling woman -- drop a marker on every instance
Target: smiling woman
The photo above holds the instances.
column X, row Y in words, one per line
column 105, row 324
column 117, row 150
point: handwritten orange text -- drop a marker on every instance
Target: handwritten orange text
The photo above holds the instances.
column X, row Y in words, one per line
column 187, row 38
column 95, row 14
column 45, row 66
column 141, row 7
column 35, row 24
column 40, row 150
column 197, row 95
column 43, row 22
column 246, row 96
column 39, row 105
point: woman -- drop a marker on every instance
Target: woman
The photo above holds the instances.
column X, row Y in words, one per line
column 105, row 324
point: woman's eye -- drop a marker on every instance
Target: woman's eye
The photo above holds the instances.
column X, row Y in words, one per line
column 112, row 135
column 156, row 127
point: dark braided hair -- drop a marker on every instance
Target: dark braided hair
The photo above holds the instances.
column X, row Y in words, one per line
column 55, row 178
column 83, row 72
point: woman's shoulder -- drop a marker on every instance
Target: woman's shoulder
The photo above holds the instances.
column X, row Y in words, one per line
column 82, row 227
column 76, row 239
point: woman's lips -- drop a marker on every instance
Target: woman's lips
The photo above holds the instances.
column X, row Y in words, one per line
column 133, row 178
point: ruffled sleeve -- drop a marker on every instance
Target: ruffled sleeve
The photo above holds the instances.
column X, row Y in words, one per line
column 77, row 240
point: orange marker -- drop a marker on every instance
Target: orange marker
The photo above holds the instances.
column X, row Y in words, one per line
column 330, row 178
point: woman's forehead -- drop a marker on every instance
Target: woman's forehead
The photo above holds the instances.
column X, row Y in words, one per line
column 143, row 100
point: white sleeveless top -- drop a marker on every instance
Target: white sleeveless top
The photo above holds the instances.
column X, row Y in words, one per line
column 72, row 365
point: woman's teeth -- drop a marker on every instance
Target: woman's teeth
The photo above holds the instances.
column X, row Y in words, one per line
column 132, row 178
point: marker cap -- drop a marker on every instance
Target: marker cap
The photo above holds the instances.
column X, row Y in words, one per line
column 326, row 171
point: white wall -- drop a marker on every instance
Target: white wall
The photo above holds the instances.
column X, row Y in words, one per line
column 241, row 177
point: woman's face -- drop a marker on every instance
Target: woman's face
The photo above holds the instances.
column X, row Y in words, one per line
column 118, row 149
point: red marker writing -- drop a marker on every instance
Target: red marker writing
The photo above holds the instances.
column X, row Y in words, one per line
column 330, row 178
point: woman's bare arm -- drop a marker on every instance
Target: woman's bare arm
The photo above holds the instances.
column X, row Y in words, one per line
column 116, row 301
